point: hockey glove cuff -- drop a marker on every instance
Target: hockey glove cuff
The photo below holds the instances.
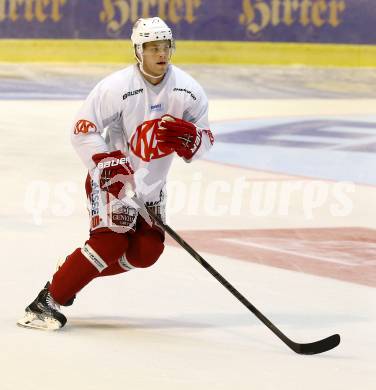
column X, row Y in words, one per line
column 116, row 173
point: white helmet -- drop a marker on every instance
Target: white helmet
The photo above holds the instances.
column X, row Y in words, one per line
column 149, row 30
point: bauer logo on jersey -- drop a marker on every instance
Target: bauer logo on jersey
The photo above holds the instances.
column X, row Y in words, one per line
column 132, row 93
column 144, row 143
column 83, row 126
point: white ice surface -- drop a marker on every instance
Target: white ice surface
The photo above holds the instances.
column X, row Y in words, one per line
column 169, row 327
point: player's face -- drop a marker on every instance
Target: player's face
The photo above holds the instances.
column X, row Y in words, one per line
column 156, row 56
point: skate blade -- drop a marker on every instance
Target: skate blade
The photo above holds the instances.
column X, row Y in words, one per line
column 32, row 321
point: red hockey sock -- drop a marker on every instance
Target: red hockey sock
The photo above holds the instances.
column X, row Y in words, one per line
column 100, row 252
column 75, row 273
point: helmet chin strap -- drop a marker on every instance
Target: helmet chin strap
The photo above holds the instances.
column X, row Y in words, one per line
column 141, row 63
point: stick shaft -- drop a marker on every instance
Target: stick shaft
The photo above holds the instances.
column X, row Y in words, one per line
column 219, row 277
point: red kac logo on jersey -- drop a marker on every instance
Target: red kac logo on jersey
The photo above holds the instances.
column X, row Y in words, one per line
column 144, row 143
column 83, row 126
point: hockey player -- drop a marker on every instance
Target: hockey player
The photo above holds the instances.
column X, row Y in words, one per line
column 127, row 133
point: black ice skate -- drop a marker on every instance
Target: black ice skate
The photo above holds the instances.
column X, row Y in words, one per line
column 43, row 313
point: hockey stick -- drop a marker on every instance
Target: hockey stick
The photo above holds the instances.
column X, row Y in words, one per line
column 300, row 348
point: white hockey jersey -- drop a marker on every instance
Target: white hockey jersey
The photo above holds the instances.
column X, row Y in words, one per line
column 121, row 113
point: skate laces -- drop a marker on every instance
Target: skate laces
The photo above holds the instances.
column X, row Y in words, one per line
column 52, row 303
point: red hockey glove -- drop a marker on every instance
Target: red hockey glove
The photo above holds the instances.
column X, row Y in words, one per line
column 116, row 174
column 178, row 135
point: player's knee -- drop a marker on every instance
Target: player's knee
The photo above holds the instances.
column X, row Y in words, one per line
column 108, row 245
column 145, row 249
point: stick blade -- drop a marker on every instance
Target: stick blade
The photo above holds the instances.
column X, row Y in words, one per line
column 317, row 346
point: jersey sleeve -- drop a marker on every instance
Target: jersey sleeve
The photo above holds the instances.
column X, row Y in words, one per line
column 99, row 110
column 197, row 113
